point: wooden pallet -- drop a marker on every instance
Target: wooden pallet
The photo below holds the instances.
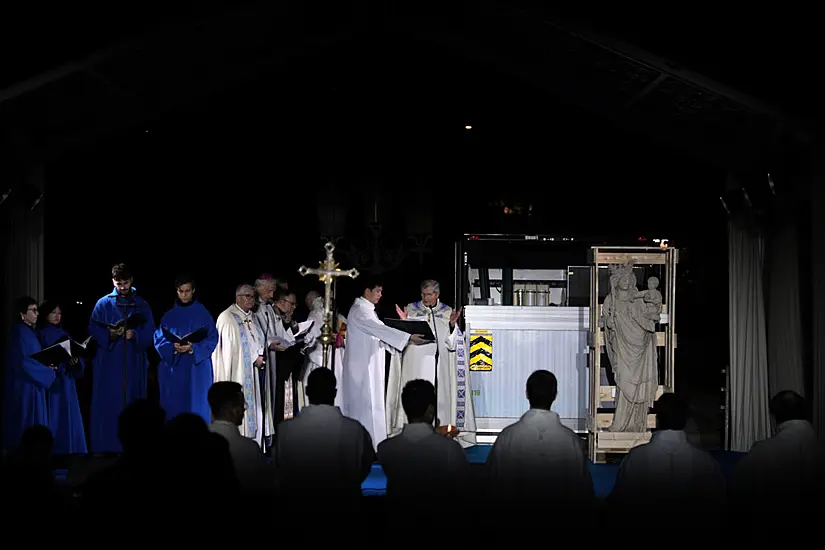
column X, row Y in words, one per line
column 611, row 443
column 608, row 393
column 604, row 421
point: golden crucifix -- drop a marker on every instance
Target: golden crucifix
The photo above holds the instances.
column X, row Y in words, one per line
column 326, row 271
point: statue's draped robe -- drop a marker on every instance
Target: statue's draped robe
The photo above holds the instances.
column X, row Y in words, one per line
column 65, row 418
column 315, row 352
column 240, row 342
column 362, row 381
column 631, row 348
column 108, row 384
column 418, row 362
column 184, row 379
column 26, row 386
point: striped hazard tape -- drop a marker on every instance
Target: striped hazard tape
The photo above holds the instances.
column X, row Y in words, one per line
column 481, row 350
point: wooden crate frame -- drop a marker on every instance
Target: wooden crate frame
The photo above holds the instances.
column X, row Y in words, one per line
column 601, row 442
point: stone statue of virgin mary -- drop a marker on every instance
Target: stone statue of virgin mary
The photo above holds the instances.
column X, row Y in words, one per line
column 631, row 347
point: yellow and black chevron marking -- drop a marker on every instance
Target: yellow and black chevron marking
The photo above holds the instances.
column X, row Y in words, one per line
column 481, row 350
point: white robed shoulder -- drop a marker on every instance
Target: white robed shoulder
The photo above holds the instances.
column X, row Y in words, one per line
column 455, row 404
column 364, row 363
column 240, row 341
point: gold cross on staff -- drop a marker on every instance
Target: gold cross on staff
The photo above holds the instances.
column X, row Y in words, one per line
column 327, row 271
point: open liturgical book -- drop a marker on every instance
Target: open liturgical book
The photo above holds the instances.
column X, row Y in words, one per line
column 192, row 338
column 61, row 351
column 412, row 326
column 293, row 338
column 130, row 323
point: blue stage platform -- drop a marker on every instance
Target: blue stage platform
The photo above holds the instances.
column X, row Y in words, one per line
column 604, row 475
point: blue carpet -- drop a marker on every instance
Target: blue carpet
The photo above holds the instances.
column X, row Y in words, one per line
column 604, row 475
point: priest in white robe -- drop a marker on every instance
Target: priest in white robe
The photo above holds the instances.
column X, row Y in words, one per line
column 670, row 472
column 238, row 357
column 419, row 363
column 538, row 457
column 363, row 377
column 266, row 319
column 776, row 482
column 314, row 350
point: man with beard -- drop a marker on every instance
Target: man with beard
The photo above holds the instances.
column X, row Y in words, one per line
column 122, row 325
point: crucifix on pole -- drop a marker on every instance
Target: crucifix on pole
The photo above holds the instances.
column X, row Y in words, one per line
column 327, row 271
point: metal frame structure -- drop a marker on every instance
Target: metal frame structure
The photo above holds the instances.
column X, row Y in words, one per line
column 601, row 442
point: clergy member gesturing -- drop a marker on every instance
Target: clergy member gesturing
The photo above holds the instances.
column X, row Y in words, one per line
column 364, row 362
column 121, row 319
column 238, row 357
column 185, row 341
column 419, row 363
column 26, row 379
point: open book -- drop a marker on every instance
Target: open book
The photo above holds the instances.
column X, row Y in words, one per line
column 412, row 326
column 61, row 351
column 294, row 336
column 192, row 338
column 130, row 323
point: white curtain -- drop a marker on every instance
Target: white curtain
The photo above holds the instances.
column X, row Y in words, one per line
column 749, row 417
column 818, row 296
column 784, row 319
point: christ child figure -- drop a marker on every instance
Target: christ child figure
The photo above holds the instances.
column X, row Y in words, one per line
column 652, row 298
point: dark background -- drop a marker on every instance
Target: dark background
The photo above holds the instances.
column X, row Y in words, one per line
column 230, row 180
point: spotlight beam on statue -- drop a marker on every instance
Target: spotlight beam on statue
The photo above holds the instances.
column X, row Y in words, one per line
column 327, row 271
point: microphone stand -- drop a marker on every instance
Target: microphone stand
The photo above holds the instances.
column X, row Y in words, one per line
column 435, row 369
column 266, row 369
column 122, row 303
column 334, row 323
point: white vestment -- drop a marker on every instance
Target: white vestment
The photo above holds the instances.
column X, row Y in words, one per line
column 240, row 342
column 421, row 463
column 777, row 480
column 364, row 363
column 669, row 469
column 314, row 350
column 322, row 452
column 254, row 474
column 539, row 457
column 418, row 363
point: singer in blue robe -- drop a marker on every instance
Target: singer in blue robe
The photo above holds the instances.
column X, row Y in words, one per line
column 111, row 392
column 185, row 371
column 27, row 381
column 65, row 419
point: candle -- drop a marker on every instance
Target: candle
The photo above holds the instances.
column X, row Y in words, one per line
column 449, row 428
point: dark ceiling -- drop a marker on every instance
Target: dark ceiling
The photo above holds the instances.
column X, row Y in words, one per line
column 83, row 74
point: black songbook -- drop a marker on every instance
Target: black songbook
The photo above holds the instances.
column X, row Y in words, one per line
column 417, row 326
column 192, row 338
column 61, row 351
column 130, row 323
column 80, row 349
column 302, row 330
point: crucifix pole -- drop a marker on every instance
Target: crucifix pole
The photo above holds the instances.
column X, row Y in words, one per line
column 327, row 271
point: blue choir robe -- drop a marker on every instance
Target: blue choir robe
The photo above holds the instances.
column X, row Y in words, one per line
column 185, row 379
column 27, row 382
column 108, row 384
column 65, row 419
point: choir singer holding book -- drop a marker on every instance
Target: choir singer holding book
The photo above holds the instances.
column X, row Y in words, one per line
column 185, row 341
